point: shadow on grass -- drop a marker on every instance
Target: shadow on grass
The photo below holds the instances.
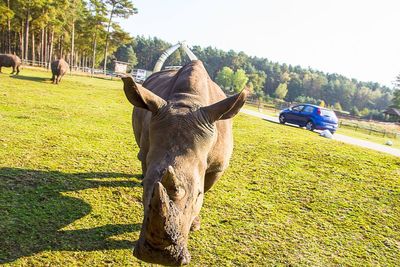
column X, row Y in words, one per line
column 286, row 124
column 33, row 210
column 31, row 78
column 7, row 72
column 318, row 132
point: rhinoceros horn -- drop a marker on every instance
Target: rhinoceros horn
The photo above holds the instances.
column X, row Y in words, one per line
column 173, row 184
column 160, row 201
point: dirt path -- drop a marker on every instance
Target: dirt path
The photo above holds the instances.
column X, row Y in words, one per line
column 336, row 136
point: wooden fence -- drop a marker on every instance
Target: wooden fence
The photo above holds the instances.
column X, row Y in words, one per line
column 368, row 129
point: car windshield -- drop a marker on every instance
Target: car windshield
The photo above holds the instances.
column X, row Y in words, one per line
column 297, row 108
column 327, row 113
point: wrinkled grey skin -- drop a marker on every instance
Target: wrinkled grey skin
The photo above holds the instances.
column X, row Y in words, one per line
column 58, row 68
column 182, row 125
column 9, row 60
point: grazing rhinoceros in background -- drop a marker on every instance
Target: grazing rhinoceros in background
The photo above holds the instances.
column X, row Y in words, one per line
column 58, row 68
column 183, row 128
column 9, row 60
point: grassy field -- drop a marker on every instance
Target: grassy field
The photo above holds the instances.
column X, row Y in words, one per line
column 70, row 192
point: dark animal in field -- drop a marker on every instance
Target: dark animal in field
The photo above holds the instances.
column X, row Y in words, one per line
column 58, row 68
column 182, row 125
column 9, row 60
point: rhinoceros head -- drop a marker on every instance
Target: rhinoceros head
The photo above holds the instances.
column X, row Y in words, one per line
column 180, row 139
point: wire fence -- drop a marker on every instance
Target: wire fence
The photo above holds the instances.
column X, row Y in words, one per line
column 369, row 129
column 73, row 69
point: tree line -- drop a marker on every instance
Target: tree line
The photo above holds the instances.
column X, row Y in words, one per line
column 267, row 79
column 396, row 93
column 87, row 34
column 82, row 32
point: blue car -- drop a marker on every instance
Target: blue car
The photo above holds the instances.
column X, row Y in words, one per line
column 310, row 116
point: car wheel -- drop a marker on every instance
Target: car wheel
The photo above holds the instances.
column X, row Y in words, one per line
column 310, row 126
column 282, row 119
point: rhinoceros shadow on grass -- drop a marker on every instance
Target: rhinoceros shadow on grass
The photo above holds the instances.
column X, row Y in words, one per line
column 33, row 211
column 31, row 78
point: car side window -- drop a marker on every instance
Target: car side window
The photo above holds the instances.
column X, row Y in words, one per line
column 297, row 108
column 308, row 109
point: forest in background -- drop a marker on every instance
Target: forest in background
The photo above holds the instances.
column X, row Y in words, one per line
column 87, row 32
column 267, row 79
column 83, row 32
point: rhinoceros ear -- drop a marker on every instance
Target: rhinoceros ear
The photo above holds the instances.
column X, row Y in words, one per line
column 141, row 97
column 227, row 108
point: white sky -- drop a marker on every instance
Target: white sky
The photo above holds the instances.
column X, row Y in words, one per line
column 359, row 39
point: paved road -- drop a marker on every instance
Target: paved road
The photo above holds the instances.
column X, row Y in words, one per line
column 336, row 136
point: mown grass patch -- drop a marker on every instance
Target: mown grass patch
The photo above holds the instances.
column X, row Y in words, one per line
column 70, row 191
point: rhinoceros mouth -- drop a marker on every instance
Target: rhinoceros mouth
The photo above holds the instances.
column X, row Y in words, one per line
column 173, row 255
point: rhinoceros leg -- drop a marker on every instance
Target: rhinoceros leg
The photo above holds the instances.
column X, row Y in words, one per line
column 195, row 224
column 13, row 71
column 17, row 70
column 144, row 169
column 210, row 178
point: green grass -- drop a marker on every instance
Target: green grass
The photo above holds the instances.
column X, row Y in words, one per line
column 369, row 137
column 70, row 192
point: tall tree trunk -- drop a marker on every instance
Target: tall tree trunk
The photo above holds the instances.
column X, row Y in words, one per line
column 46, row 47
column 51, row 48
column 38, row 48
column 94, row 52
column 41, row 46
column 72, row 62
column 33, row 48
column 3, row 42
column 107, row 37
column 9, row 30
column 21, row 41
column 61, row 47
column 16, row 42
column 26, row 49
column 76, row 61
